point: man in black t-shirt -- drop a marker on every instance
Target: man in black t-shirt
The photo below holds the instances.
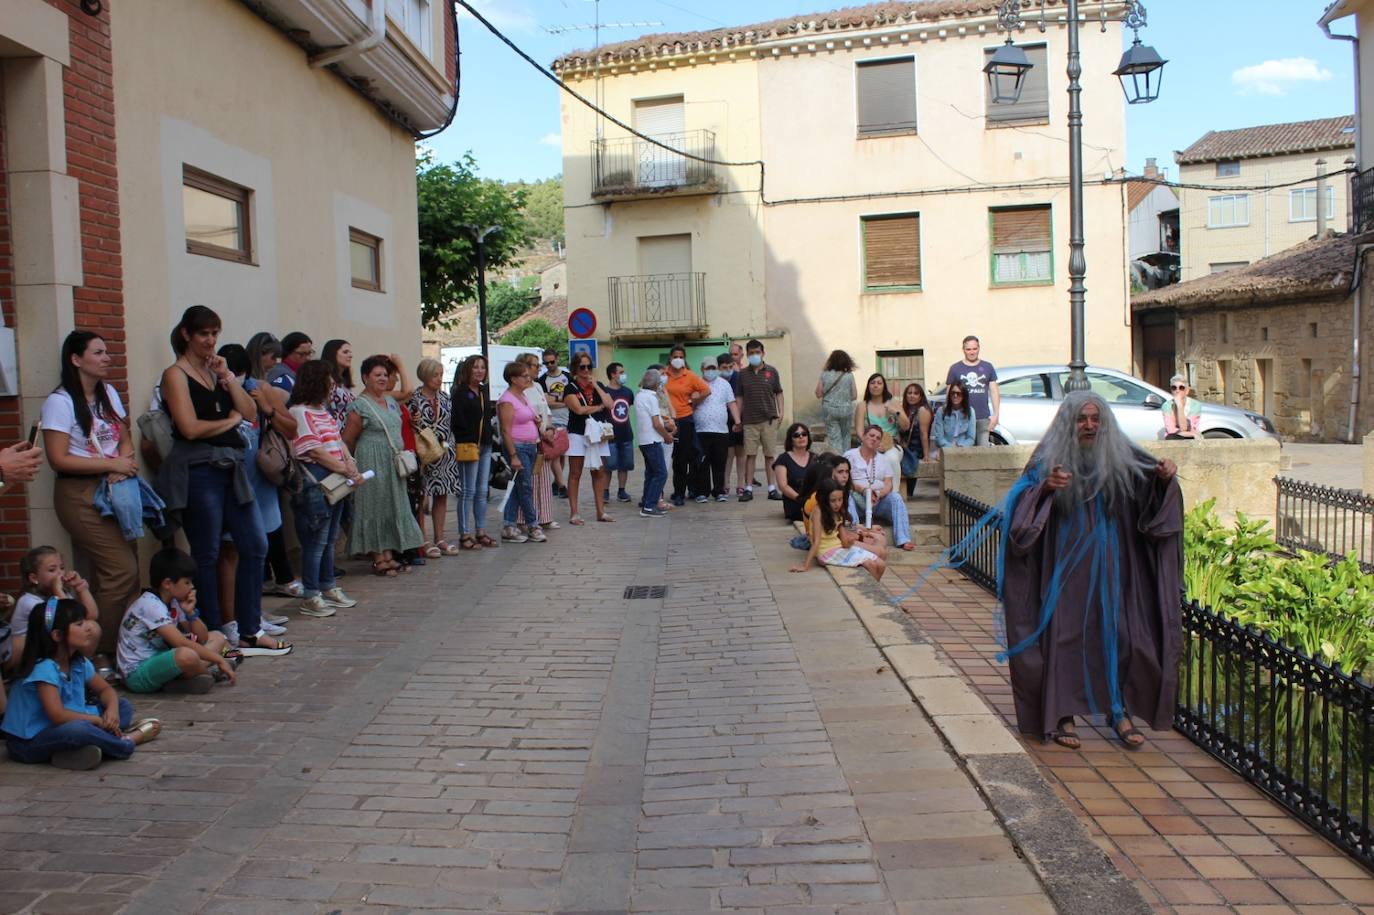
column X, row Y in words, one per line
column 622, row 446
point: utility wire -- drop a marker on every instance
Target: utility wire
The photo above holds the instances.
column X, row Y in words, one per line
column 1163, row 182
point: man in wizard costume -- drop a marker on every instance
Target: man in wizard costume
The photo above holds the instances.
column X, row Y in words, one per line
column 1091, row 564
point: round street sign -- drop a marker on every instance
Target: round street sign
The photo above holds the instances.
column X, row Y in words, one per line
column 581, row 323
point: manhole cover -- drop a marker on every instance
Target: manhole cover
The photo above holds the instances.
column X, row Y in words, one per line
column 645, row 592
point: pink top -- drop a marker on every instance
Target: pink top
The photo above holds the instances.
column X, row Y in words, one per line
column 1192, row 411
column 523, row 428
column 315, row 428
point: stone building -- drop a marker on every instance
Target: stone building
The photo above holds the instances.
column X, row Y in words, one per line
column 1274, row 337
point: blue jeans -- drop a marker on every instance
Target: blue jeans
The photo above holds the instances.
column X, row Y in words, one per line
column 317, row 527
column 655, row 474
column 212, row 509
column 622, row 456
column 73, row 736
column 472, row 509
column 523, row 497
column 891, row 509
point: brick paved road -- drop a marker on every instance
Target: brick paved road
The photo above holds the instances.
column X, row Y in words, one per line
column 505, row 732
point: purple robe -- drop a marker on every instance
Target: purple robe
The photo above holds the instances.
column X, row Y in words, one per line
column 1064, row 672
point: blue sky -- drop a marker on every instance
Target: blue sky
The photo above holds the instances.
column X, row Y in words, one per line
column 1232, row 63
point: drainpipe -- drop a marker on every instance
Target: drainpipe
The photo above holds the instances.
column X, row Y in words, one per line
column 375, row 35
column 1321, row 198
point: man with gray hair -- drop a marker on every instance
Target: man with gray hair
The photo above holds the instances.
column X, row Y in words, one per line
column 1092, row 536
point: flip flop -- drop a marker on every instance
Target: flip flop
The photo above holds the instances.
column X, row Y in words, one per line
column 1069, row 740
column 576, row 521
column 606, row 519
column 148, row 727
column 1126, row 736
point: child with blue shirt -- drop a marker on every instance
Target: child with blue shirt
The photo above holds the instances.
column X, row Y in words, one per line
column 48, row 718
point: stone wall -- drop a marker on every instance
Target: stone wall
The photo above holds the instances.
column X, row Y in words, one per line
column 1239, row 474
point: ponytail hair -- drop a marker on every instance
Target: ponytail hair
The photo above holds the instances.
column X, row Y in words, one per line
column 50, row 617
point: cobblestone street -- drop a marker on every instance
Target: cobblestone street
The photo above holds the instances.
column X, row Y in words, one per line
column 505, row 731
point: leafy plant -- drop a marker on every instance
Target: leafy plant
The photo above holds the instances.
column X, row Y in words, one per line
column 537, row 332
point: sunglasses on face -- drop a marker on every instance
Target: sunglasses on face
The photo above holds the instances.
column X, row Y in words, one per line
column 800, row 435
column 550, row 361
column 1178, row 387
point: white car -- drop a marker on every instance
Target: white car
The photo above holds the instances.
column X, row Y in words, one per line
column 1031, row 395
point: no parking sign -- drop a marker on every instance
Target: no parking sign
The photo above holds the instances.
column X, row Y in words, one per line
column 582, row 346
column 581, row 323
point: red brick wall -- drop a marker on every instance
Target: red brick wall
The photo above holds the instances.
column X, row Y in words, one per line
column 99, row 305
column 450, row 50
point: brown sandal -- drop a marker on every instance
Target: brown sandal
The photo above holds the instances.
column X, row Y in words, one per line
column 466, row 542
column 383, row 568
column 484, row 540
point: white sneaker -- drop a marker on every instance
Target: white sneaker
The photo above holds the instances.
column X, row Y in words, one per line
column 316, row 607
column 275, row 619
column 290, row 589
column 272, row 628
column 536, row 534
column 335, row 597
column 230, row 631
column 513, row 535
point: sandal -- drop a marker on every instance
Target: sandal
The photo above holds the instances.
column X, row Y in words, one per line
column 576, row 521
column 252, row 646
column 384, row 568
column 148, row 727
column 484, row 540
column 606, row 519
column 1126, row 734
column 446, row 548
column 467, row 542
column 1066, row 739
column 431, row 550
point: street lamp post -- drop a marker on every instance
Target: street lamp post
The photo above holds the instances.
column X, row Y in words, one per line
column 1140, row 71
column 480, row 238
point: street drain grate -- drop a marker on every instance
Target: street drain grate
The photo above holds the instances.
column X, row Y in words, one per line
column 645, row 592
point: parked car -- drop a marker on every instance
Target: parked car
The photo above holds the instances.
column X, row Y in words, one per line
column 1031, row 394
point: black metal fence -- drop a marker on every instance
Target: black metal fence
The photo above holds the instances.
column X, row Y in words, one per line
column 1323, row 519
column 1362, row 199
column 629, row 165
column 1296, row 728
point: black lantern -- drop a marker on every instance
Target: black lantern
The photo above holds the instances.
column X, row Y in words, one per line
column 1007, row 73
column 1141, row 72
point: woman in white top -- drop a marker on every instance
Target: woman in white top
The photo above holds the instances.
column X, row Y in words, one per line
column 87, row 440
column 715, row 414
column 651, row 433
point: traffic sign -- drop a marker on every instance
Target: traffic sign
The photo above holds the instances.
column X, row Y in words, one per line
column 581, row 323
column 582, row 346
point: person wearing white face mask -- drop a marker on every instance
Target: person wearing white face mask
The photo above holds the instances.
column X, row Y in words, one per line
column 714, row 416
column 622, row 456
column 685, row 391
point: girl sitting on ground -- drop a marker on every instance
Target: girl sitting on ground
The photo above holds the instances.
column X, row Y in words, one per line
column 48, row 718
column 45, row 575
column 832, row 541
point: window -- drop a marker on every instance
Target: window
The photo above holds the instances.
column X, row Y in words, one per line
column 1230, row 168
column 901, row 368
column 365, row 256
column 892, row 253
column 1021, row 246
column 1228, row 210
column 1117, row 390
column 413, row 18
column 1031, row 387
column 887, row 96
column 1034, row 103
column 1223, row 266
column 1302, row 204
column 215, row 212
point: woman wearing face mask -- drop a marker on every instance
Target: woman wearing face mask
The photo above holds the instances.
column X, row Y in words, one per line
column 714, row 416
column 685, row 391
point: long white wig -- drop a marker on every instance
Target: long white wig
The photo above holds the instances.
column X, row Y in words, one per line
column 1113, row 467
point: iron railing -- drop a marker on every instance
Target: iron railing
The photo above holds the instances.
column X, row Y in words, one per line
column 1362, row 199
column 1298, row 729
column 627, row 166
column 657, row 304
column 1323, row 519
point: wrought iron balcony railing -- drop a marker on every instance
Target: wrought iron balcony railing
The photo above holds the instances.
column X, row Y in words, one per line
column 1362, row 199
column 630, row 167
column 658, row 304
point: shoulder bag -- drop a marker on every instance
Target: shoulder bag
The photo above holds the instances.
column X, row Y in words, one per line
column 466, row 452
column 156, row 426
column 427, row 447
column 404, row 461
column 275, row 462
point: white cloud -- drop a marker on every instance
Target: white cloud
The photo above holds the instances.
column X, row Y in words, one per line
column 1276, row 77
column 552, row 139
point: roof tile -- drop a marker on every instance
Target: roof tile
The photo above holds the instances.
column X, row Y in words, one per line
column 1271, row 140
column 1315, row 269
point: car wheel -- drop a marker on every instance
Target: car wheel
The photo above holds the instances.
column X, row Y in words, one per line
column 1219, row 433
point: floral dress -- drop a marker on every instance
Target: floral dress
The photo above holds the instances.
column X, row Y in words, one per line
column 338, row 403
column 443, row 477
column 382, row 519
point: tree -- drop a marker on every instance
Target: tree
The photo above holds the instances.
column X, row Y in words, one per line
column 537, row 332
column 450, row 198
column 508, row 301
column 544, row 209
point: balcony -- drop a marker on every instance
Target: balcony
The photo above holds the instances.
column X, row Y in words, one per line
column 661, row 305
column 628, row 167
column 1362, row 200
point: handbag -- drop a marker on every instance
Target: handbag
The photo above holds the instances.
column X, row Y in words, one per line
column 597, row 431
column 556, row 448
column 404, row 461
column 335, row 487
column 276, row 463
column 428, row 448
column 466, row 452
column 156, row 426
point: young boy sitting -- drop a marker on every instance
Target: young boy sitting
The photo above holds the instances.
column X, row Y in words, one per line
column 162, row 642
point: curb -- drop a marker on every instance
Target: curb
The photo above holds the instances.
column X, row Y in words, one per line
column 1078, row 876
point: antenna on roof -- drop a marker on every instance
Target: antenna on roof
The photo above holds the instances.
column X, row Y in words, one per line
column 560, row 29
column 596, row 27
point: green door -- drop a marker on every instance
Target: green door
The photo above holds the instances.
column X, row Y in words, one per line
column 638, row 358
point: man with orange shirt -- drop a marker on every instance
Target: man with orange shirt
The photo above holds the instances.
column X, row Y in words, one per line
column 685, row 389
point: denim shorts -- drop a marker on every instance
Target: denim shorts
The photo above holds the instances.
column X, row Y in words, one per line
column 622, row 456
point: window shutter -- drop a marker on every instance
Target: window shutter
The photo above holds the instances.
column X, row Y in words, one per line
column 1020, row 230
column 1034, row 103
column 887, row 96
column 892, row 251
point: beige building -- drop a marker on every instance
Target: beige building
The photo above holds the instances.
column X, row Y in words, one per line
column 256, row 157
column 874, row 199
column 1232, row 224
